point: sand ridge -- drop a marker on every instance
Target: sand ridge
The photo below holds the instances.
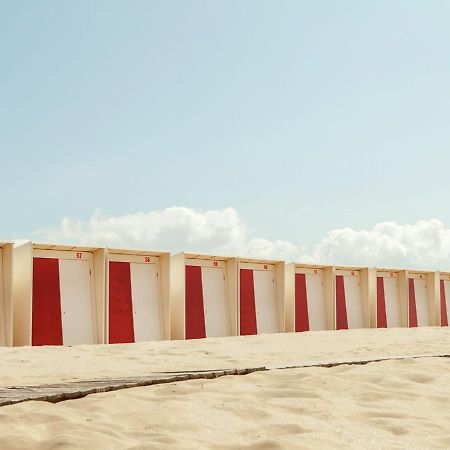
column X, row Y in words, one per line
column 30, row 366
column 389, row 404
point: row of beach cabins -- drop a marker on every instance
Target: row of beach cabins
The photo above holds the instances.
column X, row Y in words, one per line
column 68, row 295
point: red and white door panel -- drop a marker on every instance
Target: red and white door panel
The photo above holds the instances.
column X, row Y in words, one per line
column 206, row 312
column 258, row 312
column 62, row 298
column 418, row 301
column 310, row 300
column 134, row 299
column 445, row 301
column 388, row 300
column 349, row 307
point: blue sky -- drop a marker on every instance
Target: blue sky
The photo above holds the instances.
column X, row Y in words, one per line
column 304, row 117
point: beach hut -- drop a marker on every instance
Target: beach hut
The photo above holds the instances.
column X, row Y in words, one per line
column 260, row 296
column 6, row 294
column 308, row 297
column 423, row 289
column 137, row 307
column 389, row 304
column 444, row 297
column 58, row 294
column 352, row 297
column 203, row 291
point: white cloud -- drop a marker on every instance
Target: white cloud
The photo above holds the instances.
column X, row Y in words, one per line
column 425, row 244
column 176, row 229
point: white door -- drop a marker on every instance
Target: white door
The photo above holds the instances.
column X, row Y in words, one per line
column 145, row 299
column 76, row 301
column 353, row 301
column 447, row 298
column 316, row 301
column 392, row 302
column 265, row 301
column 214, row 302
column 420, row 290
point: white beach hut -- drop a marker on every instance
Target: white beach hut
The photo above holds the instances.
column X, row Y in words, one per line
column 308, row 297
column 352, row 287
column 423, row 291
column 203, row 290
column 444, row 299
column 58, row 294
column 389, row 302
column 260, row 296
column 137, row 307
column 6, row 274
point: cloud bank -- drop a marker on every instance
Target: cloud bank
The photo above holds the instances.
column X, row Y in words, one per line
column 425, row 244
column 176, row 229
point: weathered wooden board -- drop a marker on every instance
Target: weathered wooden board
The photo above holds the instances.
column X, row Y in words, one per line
column 55, row 393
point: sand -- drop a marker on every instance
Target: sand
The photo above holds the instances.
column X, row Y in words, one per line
column 389, row 404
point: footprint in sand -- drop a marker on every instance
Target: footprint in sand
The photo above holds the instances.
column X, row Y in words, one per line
column 419, row 378
column 287, row 429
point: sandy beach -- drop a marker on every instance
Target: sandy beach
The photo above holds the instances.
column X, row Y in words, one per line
column 390, row 404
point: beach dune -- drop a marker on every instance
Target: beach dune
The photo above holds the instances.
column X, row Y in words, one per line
column 402, row 403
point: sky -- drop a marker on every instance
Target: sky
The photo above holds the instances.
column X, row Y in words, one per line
column 311, row 130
